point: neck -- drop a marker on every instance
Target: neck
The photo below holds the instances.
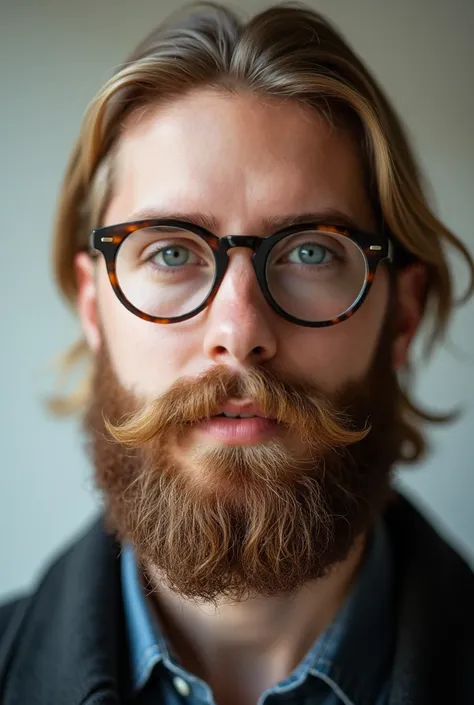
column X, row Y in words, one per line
column 257, row 642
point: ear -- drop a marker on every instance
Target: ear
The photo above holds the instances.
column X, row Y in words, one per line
column 410, row 291
column 87, row 299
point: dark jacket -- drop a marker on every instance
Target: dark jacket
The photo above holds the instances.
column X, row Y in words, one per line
column 65, row 643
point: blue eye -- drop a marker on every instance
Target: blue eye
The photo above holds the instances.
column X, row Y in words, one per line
column 174, row 256
column 310, row 253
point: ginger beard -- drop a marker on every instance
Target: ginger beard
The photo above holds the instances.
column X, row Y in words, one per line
column 217, row 521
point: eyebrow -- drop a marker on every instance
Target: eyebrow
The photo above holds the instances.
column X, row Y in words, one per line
column 329, row 216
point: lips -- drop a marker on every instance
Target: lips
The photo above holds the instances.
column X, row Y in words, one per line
column 239, row 422
column 239, row 431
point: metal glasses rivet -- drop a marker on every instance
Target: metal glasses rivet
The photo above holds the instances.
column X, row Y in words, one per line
column 375, row 247
column 106, row 239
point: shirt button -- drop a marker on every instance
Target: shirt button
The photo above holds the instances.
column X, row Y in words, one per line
column 181, row 686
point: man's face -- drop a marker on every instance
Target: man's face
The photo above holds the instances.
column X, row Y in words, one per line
column 239, row 160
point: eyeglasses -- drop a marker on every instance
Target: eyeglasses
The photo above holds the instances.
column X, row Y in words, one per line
column 166, row 271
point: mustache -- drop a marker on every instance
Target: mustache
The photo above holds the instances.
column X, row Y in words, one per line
column 300, row 407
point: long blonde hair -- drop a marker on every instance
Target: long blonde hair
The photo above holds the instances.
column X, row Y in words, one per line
column 288, row 52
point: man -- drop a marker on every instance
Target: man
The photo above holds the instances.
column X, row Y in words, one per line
column 244, row 236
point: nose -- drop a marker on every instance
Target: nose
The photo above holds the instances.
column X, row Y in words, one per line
column 240, row 324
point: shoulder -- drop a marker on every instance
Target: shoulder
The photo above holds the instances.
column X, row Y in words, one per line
column 10, row 611
column 74, row 608
column 434, row 609
column 62, row 576
column 422, row 551
column 12, row 615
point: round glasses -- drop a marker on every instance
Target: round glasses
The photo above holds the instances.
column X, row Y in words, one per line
column 167, row 270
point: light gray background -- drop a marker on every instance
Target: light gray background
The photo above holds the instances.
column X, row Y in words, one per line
column 55, row 54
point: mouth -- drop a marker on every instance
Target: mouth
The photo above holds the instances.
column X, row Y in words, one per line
column 239, row 423
column 241, row 409
column 228, row 415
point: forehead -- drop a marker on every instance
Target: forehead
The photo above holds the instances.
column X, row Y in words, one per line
column 238, row 157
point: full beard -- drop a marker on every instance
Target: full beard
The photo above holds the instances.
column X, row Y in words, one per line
column 223, row 521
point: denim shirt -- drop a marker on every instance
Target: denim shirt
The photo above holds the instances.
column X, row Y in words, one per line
column 349, row 664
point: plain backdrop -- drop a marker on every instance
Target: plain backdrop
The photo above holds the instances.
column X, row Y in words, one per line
column 54, row 56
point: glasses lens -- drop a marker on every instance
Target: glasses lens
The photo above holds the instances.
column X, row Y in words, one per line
column 315, row 275
column 165, row 272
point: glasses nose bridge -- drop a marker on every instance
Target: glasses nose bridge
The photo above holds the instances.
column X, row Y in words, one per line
column 251, row 242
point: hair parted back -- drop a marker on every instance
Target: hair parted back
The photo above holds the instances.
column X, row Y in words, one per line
column 288, row 52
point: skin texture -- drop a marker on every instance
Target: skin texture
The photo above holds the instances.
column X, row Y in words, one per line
column 242, row 159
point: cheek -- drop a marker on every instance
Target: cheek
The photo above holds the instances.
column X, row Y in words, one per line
column 147, row 357
column 338, row 354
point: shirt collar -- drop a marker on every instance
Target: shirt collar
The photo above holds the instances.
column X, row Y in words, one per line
column 146, row 641
column 351, row 656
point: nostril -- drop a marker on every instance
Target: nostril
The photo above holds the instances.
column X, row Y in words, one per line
column 257, row 351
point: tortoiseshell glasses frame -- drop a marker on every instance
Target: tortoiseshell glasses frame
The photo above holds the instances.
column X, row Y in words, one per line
column 375, row 247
